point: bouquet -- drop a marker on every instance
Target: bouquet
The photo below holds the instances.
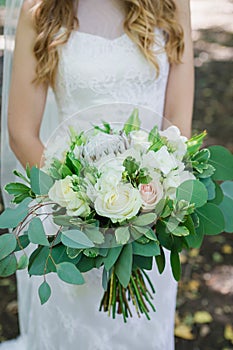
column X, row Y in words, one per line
column 117, row 198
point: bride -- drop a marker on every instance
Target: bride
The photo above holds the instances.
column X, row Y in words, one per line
column 92, row 52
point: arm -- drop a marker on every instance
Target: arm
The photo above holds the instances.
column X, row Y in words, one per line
column 26, row 100
column 180, row 88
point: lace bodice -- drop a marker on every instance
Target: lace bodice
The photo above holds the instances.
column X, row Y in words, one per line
column 95, row 70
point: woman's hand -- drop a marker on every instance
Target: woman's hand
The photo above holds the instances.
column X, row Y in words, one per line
column 180, row 88
column 26, row 100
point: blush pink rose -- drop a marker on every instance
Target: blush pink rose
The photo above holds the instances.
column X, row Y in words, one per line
column 151, row 194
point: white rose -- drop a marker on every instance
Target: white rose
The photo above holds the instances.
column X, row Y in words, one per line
column 122, row 202
column 164, row 161
column 78, row 207
column 175, row 139
column 140, row 139
column 151, row 194
column 62, row 192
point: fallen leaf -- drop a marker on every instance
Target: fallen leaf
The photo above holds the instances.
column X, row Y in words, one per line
column 202, row 317
column 184, row 332
column 227, row 249
column 228, row 333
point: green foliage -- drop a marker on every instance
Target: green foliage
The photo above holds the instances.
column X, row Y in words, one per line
column 36, row 232
column 40, row 181
column 226, row 205
column 175, row 265
column 144, row 219
column 123, row 266
column 133, row 122
column 23, row 262
column 161, row 261
column 8, row 266
column 222, row 160
column 149, row 249
column 11, row 217
column 195, row 143
column 211, row 219
column 122, row 234
column 76, row 239
column 40, row 262
column 192, row 191
column 44, row 292
column 20, row 191
column 69, row 273
column 112, row 256
column 7, row 245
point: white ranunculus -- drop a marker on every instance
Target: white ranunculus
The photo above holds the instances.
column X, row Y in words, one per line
column 107, row 181
column 176, row 140
column 120, row 203
column 164, row 161
column 62, row 192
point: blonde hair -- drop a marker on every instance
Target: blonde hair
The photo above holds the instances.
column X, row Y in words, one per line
column 142, row 16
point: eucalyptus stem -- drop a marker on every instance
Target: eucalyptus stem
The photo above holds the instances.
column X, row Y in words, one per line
column 149, row 281
column 114, row 297
column 121, row 302
column 144, row 291
column 134, row 300
column 139, row 297
column 126, row 302
column 110, row 294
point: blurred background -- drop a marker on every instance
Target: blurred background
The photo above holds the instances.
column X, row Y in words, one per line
column 204, row 319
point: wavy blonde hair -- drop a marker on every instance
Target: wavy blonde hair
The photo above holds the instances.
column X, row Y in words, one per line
column 142, row 16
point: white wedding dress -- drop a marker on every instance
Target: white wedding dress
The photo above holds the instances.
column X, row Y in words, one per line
column 99, row 64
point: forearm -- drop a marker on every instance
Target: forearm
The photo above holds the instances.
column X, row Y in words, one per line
column 180, row 87
column 28, row 150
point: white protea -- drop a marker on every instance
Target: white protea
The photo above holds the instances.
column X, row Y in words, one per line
column 102, row 145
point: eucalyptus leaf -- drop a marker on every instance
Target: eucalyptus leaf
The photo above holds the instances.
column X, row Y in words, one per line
column 36, row 233
column 73, row 252
column 40, row 181
column 149, row 249
column 44, row 292
column 160, row 261
column 69, row 273
column 211, row 218
column 175, row 265
column 112, row 257
column 193, row 191
column 76, row 239
column 226, row 206
column 7, row 244
column 11, row 217
column 122, row 234
column 144, row 219
column 8, row 266
column 133, row 122
column 105, row 279
column 40, row 263
column 123, row 266
column 148, row 232
column 22, row 242
column 23, row 262
column 142, row 262
column 94, row 235
column 222, row 160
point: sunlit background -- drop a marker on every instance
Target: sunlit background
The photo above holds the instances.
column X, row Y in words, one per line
column 204, row 318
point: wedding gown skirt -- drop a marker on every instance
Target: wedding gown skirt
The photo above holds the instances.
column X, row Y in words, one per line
column 95, row 70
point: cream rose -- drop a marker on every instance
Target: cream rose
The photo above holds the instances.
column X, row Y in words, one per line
column 120, row 203
column 151, row 194
column 62, row 192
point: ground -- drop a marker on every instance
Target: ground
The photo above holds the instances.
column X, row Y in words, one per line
column 205, row 296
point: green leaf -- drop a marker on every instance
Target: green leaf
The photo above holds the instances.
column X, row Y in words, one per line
column 20, row 175
column 218, row 195
column 8, row 266
column 36, row 233
column 226, row 207
column 11, row 217
column 94, row 235
column 123, row 266
column 176, row 230
column 44, row 292
column 147, row 231
column 76, row 239
column 7, row 244
column 193, row 191
column 133, row 122
column 190, row 225
column 175, row 264
column 22, row 241
column 210, row 186
column 142, row 262
column 40, row 263
column 23, row 262
column 17, row 188
column 91, row 252
column 69, row 273
column 195, row 142
column 227, row 188
column 62, row 253
column 122, row 234
column 201, row 156
column 211, row 218
column 149, row 249
column 105, row 279
column 112, row 257
column 222, row 160
column 154, row 133
column 73, row 252
column 144, row 219
column 195, row 240
column 160, row 261
column 86, row 264
column 40, row 181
